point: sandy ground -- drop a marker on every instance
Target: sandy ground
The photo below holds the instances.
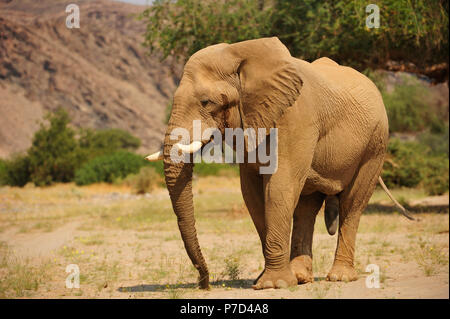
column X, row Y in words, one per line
column 128, row 246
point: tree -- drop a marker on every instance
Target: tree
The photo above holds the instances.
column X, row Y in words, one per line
column 54, row 154
column 15, row 171
column 310, row 29
column 337, row 29
column 182, row 27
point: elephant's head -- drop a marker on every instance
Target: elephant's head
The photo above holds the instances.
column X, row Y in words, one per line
column 246, row 84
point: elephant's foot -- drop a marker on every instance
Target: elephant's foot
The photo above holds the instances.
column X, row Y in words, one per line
column 302, row 268
column 342, row 272
column 283, row 278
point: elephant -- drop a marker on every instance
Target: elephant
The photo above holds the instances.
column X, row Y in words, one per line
column 332, row 139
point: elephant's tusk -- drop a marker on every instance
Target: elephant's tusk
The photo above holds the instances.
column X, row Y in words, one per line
column 155, row 157
column 191, row 148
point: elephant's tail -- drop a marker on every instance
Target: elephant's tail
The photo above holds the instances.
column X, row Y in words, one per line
column 332, row 209
column 402, row 209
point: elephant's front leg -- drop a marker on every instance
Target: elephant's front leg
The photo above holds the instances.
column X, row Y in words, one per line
column 279, row 207
column 253, row 194
column 281, row 194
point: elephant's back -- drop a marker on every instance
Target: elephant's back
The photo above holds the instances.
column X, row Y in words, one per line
column 351, row 90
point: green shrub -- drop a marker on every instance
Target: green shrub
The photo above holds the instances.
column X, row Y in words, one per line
column 232, row 268
column 437, row 142
column 202, row 169
column 216, row 169
column 15, row 171
column 403, row 165
column 109, row 167
column 408, row 108
column 54, row 155
column 101, row 142
column 435, row 175
column 2, row 172
column 412, row 164
column 145, row 181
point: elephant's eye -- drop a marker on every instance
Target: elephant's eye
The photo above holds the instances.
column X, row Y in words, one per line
column 204, row 102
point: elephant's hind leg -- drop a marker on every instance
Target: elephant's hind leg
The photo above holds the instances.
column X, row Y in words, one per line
column 352, row 202
column 302, row 236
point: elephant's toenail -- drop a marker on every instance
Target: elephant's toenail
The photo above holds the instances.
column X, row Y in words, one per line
column 268, row 284
column 333, row 278
column 281, row 283
column 344, row 278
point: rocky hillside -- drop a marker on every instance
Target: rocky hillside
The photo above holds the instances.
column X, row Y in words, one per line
column 99, row 73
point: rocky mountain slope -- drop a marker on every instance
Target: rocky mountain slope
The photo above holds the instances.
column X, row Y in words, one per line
column 99, row 73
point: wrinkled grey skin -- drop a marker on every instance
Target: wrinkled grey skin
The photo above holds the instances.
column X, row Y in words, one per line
column 332, row 137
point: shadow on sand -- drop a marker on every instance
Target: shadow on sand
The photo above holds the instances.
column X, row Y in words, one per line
column 241, row 283
column 388, row 209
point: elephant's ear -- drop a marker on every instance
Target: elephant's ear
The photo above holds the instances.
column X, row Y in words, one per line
column 269, row 78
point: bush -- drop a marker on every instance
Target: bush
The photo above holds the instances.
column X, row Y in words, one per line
column 101, row 142
column 2, row 172
column 412, row 164
column 202, row 169
column 216, row 169
column 408, row 109
column 435, row 179
column 403, row 165
column 145, row 181
column 109, row 167
column 15, row 172
column 437, row 142
column 54, row 155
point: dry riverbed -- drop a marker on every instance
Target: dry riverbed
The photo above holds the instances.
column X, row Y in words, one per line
column 128, row 246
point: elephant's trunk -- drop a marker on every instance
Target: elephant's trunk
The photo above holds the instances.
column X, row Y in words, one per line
column 179, row 183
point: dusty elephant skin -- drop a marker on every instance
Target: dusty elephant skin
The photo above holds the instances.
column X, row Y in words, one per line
column 332, row 138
